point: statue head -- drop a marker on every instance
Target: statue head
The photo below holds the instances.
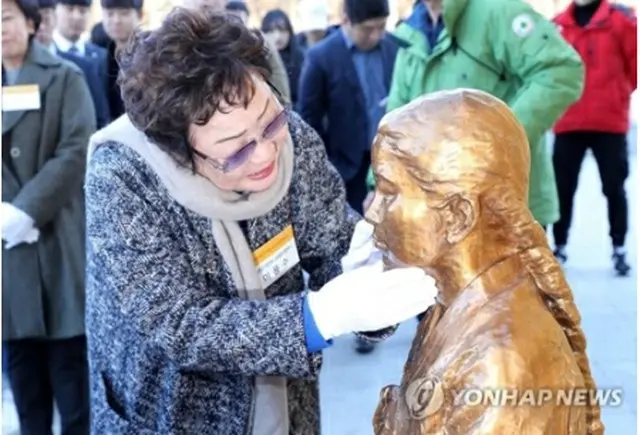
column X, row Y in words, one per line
column 452, row 173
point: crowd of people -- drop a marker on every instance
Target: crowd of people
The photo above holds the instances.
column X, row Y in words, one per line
column 147, row 175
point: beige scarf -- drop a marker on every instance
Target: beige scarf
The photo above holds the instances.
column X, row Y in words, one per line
column 225, row 209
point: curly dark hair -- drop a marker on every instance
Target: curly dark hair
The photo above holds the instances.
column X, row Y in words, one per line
column 184, row 71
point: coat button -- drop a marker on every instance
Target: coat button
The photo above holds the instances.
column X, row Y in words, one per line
column 14, row 152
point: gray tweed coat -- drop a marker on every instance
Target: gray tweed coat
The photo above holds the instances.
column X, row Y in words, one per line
column 172, row 348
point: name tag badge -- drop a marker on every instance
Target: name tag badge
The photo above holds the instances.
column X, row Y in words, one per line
column 276, row 257
column 21, row 97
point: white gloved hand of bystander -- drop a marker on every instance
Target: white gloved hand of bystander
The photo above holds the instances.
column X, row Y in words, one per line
column 370, row 299
column 17, row 226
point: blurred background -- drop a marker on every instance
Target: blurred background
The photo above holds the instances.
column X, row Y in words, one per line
column 156, row 10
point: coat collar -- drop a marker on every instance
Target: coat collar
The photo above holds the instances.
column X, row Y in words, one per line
column 38, row 69
column 452, row 11
column 567, row 17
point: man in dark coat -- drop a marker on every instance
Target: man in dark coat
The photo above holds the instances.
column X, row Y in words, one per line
column 72, row 22
column 92, row 66
column 343, row 89
column 346, row 78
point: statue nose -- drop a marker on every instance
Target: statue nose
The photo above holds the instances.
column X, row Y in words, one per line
column 373, row 213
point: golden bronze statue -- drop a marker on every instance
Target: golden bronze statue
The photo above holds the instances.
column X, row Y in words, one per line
column 452, row 173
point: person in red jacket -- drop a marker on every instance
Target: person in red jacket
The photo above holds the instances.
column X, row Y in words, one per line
column 605, row 36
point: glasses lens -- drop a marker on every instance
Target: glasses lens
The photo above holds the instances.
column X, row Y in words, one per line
column 240, row 157
column 275, row 125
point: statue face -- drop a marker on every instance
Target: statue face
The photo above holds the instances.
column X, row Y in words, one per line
column 435, row 160
column 409, row 229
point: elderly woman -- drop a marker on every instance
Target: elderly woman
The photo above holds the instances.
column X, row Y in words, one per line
column 47, row 119
column 204, row 206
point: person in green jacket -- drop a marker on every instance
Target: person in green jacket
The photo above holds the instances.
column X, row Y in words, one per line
column 502, row 47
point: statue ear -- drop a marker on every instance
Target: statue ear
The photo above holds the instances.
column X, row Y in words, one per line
column 460, row 215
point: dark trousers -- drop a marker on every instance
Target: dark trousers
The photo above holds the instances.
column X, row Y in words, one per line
column 40, row 371
column 610, row 152
column 357, row 186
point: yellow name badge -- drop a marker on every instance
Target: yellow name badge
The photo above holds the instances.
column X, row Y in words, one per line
column 276, row 257
column 21, row 97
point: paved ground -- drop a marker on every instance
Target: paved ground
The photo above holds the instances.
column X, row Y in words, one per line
column 351, row 383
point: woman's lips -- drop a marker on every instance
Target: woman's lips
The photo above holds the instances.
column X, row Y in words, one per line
column 264, row 173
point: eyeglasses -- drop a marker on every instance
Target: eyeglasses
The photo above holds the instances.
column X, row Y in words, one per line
column 241, row 156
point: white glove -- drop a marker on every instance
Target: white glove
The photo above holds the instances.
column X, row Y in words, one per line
column 362, row 250
column 17, row 226
column 368, row 299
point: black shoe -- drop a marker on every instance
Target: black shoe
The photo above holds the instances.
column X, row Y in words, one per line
column 561, row 254
column 364, row 346
column 620, row 264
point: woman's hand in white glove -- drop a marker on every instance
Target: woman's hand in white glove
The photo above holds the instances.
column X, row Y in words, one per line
column 369, row 299
column 17, row 226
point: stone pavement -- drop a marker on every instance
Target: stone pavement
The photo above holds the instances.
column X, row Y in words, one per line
column 350, row 383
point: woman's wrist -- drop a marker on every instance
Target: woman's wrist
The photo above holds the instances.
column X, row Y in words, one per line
column 314, row 340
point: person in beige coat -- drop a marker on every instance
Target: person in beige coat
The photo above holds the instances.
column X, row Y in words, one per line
column 47, row 119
